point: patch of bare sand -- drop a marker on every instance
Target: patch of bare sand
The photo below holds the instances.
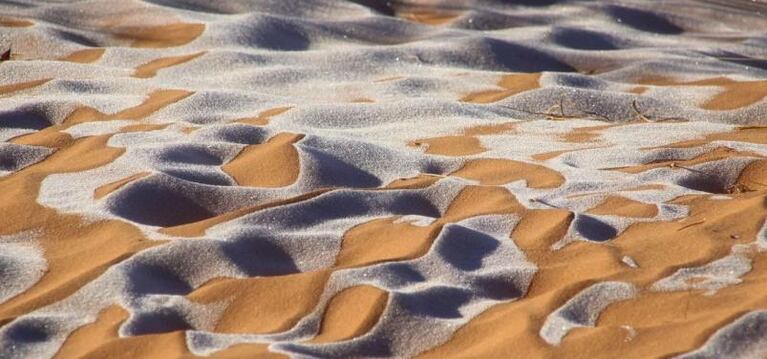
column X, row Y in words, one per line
column 12, row 88
column 463, row 144
column 424, row 14
column 6, row 21
column 733, row 95
column 108, row 188
column 622, row 206
column 271, row 304
column 85, row 56
column 584, row 134
column 100, row 339
column 459, row 145
column 716, row 154
column 385, row 239
column 389, row 239
column 154, row 102
column 749, row 134
column 76, row 251
column 351, row 313
column 274, row 163
column 502, row 171
column 420, row 181
column 196, row 229
column 263, row 118
column 54, row 137
column 753, row 177
column 160, row 36
column 510, row 84
column 150, row 68
column 263, row 304
column 659, row 248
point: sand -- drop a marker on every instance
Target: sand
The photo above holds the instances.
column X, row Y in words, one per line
column 431, row 179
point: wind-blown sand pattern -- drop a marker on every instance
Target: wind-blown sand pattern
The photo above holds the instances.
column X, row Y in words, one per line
column 383, row 179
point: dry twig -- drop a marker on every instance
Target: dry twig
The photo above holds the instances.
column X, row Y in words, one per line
column 549, row 114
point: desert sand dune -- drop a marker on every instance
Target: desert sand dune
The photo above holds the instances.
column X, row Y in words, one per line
column 364, row 178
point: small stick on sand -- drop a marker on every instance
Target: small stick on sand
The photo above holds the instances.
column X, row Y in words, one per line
column 642, row 116
column 550, row 115
column 536, row 200
column 692, row 224
column 598, row 115
column 562, row 106
column 639, row 113
column 676, row 165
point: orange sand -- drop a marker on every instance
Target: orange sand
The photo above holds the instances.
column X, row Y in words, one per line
column 150, row 68
column 666, row 323
column 734, row 94
column 511, row 85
